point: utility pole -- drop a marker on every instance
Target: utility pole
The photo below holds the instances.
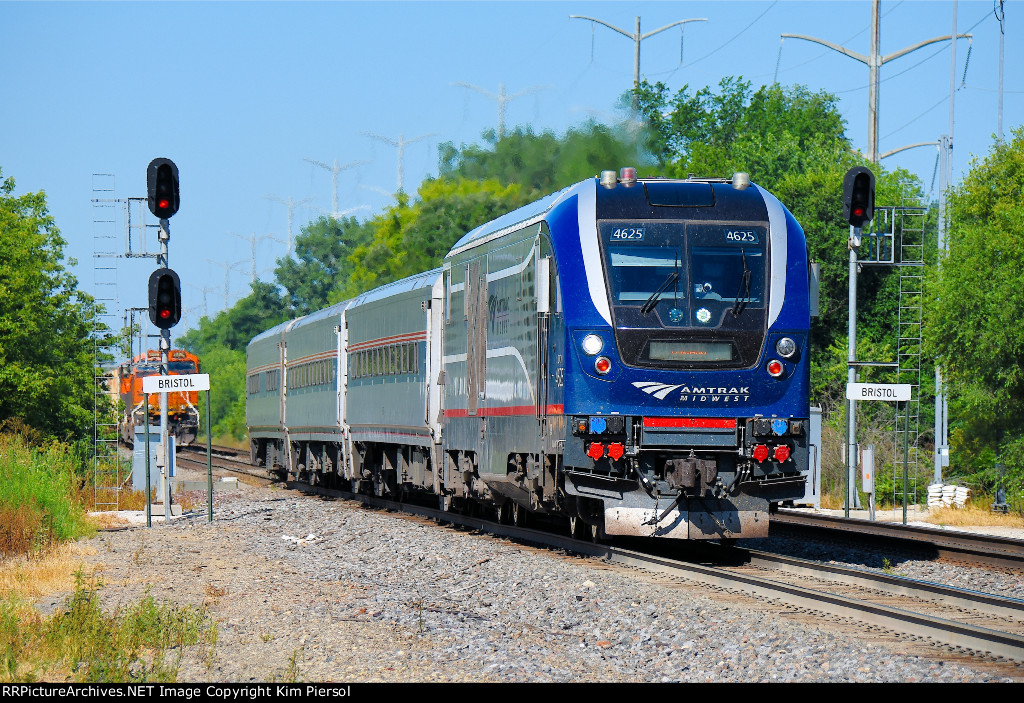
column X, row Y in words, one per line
column 874, row 62
column 291, row 204
column 400, row 145
column 941, row 403
column 335, row 170
column 501, row 98
column 1001, row 16
column 637, row 37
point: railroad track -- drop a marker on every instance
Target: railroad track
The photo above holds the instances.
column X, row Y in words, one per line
column 965, row 622
column 223, row 459
column 933, row 542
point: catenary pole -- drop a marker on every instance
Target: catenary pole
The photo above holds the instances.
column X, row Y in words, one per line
column 874, row 61
column 637, row 37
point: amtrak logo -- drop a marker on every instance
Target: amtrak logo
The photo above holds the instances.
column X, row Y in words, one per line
column 658, row 390
column 696, row 394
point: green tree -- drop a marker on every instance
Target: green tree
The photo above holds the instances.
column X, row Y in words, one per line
column 233, row 328
column 413, row 236
column 220, row 345
column 321, row 263
column 46, row 374
column 975, row 302
column 543, row 163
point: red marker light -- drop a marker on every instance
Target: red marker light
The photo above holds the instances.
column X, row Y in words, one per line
column 760, row 453
column 616, row 450
column 603, row 364
column 595, row 451
column 775, row 368
column 781, row 453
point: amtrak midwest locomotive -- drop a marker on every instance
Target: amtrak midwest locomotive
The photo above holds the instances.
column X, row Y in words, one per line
column 628, row 354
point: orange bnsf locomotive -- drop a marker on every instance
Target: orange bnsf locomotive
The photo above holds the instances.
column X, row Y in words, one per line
column 182, row 415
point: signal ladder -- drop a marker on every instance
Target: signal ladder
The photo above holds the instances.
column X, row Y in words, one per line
column 910, row 221
column 897, row 239
column 106, row 313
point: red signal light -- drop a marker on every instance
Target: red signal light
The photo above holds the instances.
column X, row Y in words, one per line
column 165, row 313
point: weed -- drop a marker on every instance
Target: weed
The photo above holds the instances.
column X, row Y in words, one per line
column 213, row 633
column 887, row 566
column 214, row 591
column 137, row 557
column 418, row 604
column 83, row 643
column 291, row 674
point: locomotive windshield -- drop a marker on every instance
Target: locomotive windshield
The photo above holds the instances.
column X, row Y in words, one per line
column 691, row 283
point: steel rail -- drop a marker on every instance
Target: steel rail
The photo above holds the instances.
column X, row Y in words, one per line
column 948, row 544
column 984, row 603
column 941, row 630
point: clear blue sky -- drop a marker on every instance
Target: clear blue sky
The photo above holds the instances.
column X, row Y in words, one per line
column 238, row 94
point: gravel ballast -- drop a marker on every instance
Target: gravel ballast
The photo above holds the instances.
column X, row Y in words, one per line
column 316, row 590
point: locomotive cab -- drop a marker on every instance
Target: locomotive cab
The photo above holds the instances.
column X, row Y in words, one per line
column 688, row 407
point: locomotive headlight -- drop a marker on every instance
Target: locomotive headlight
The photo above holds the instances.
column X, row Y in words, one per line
column 592, row 344
column 786, row 347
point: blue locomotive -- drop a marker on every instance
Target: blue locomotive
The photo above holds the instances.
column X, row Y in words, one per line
column 628, row 354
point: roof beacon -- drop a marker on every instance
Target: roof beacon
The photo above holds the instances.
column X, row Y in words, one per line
column 608, row 179
column 627, row 176
column 740, row 180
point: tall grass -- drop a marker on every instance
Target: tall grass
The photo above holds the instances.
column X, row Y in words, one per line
column 39, row 497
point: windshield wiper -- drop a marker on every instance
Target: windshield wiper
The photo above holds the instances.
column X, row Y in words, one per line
column 653, row 300
column 742, row 300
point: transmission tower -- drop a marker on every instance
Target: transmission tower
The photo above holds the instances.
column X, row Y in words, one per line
column 874, row 62
column 335, row 170
column 637, row 37
column 501, row 98
column 253, row 241
column 292, row 204
column 400, row 145
column 203, row 291
column 228, row 268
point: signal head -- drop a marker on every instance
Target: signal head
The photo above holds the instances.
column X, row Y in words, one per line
column 164, row 298
column 858, row 196
column 162, row 187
